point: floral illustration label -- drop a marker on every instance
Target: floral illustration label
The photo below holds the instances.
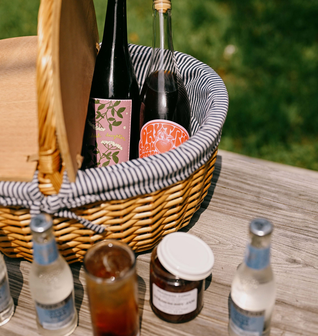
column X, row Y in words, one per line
column 159, row 136
column 109, row 128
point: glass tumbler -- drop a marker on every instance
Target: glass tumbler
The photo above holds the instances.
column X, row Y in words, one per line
column 112, row 289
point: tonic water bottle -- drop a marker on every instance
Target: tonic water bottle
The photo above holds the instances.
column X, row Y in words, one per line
column 253, row 289
column 6, row 302
column 51, row 282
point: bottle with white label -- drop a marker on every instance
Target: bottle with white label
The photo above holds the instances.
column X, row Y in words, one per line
column 6, row 302
column 253, row 289
column 165, row 111
column 51, row 282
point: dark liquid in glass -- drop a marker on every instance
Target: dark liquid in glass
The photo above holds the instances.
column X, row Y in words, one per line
column 113, row 299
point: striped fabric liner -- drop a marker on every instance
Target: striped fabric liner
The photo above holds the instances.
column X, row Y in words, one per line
column 209, row 104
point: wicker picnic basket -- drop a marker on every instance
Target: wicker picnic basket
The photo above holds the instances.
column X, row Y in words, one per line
column 120, row 202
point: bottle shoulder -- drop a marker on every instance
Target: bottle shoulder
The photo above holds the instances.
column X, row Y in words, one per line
column 260, row 276
column 59, row 264
column 114, row 77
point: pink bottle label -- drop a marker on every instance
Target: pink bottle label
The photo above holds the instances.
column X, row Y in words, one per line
column 110, row 130
column 158, row 136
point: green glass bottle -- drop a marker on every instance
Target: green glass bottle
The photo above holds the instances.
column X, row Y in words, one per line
column 112, row 127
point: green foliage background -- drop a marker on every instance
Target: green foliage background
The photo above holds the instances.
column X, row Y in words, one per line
column 265, row 51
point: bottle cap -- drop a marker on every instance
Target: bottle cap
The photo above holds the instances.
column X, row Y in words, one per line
column 162, row 5
column 186, row 256
column 41, row 223
column 261, row 227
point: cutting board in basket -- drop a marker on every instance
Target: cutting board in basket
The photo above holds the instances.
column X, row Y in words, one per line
column 18, row 109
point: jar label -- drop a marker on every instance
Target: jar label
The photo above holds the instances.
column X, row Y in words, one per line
column 174, row 303
column 57, row 315
column 257, row 258
column 108, row 131
column 246, row 323
column 45, row 254
column 5, row 295
column 158, row 136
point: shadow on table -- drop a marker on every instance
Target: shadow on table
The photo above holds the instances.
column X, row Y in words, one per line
column 215, row 178
column 15, row 277
column 78, row 287
column 209, row 195
column 208, row 281
column 141, row 297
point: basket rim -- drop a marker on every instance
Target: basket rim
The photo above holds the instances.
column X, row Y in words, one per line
column 140, row 176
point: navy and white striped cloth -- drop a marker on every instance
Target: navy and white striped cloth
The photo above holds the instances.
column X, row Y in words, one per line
column 209, row 104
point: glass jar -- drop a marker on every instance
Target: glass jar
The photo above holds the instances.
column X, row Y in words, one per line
column 178, row 269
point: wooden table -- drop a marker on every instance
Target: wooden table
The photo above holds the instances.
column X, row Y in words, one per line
column 242, row 188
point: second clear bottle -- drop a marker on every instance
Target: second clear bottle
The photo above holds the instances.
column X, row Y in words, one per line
column 165, row 109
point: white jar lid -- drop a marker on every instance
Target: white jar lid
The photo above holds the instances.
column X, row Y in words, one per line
column 186, row 256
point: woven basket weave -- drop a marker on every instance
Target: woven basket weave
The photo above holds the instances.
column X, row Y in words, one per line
column 142, row 220
column 139, row 221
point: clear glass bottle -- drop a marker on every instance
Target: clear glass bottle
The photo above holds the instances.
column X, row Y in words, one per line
column 165, row 111
column 6, row 302
column 51, row 282
column 253, row 288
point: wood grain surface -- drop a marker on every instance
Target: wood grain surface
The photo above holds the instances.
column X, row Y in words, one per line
column 242, row 188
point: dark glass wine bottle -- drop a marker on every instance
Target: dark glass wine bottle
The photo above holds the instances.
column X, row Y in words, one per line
column 112, row 125
column 165, row 112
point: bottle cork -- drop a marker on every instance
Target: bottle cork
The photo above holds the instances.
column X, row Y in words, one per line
column 162, row 5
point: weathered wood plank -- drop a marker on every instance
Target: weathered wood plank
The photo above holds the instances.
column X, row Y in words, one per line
column 242, row 188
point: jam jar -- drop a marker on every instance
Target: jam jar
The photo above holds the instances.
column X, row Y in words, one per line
column 178, row 269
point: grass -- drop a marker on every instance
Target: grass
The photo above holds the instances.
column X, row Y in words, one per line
column 265, row 52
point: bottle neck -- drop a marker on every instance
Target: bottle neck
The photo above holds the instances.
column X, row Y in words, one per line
column 257, row 254
column 45, row 250
column 115, row 29
column 163, row 53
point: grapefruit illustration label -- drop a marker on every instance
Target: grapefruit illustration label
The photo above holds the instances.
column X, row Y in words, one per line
column 159, row 136
column 109, row 127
